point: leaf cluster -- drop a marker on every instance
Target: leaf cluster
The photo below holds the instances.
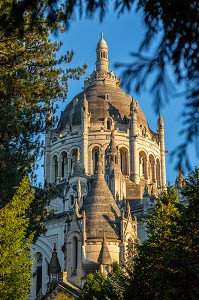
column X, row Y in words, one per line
column 166, row 265
column 33, row 77
column 15, row 271
column 97, row 286
column 62, row 296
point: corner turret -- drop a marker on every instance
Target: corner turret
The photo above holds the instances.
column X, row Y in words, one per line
column 54, row 267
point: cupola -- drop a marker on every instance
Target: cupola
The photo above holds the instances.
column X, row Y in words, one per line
column 102, row 56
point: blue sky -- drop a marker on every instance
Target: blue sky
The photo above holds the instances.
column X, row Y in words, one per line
column 122, row 35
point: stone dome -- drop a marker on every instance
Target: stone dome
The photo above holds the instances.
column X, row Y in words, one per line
column 106, row 99
column 103, row 102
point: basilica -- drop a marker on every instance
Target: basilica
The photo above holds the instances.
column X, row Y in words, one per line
column 108, row 166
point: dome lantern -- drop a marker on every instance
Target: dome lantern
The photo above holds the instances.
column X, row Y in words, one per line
column 102, row 56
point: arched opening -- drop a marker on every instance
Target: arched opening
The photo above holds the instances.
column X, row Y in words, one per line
column 151, row 170
column 38, row 260
column 54, row 169
column 64, row 164
column 158, row 172
column 124, row 160
column 107, row 96
column 108, row 124
column 74, row 254
column 74, row 157
column 71, row 200
column 142, row 165
column 95, row 156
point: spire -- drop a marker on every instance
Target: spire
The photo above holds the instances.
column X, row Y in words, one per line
column 180, row 180
column 104, row 256
column 101, row 211
column 54, row 266
column 160, row 120
column 102, row 55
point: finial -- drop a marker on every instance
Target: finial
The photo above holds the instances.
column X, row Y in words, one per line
column 102, row 35
column 54, row 247
column 160, row 119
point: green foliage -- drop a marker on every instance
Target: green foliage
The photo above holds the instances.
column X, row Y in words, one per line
column 33, row 77
column 118, row 282
column 15, row 265
column 166, row 266
column 62, row 296
column 95, row 287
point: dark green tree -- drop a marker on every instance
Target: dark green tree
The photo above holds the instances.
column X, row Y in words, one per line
column 118, row 282
column 112, row 287
column 169, row 46
column 166, row 265
column 62, row 296
column 95, row 287
column 15, row 265
column 33, row 76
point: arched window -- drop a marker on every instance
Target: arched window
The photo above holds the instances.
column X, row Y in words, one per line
column 38, row 260
column 54, row 169
column 74, row 156
column 158, row 172
column 64, row 164
column 151, row 171
column 109, row 123
column 142, row 165
column 107, row 96
column 72, row 200
column 95, row 156
column 74, row 254
column 124, row 160
column 96, row 161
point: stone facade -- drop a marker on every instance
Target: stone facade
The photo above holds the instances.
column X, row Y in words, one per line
column 108, row 166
